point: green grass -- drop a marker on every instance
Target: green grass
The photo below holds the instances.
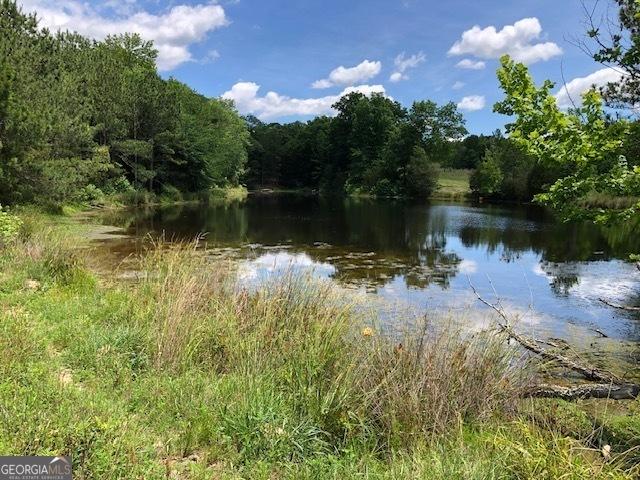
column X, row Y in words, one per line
column 453, row 184
column 595, row 200
column 230, row 193
column 184, row 375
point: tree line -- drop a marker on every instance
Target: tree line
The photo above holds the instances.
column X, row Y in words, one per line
column 81, row 118
column 373, row 145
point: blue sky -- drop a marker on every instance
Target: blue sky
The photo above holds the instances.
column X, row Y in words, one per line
column 244, row 49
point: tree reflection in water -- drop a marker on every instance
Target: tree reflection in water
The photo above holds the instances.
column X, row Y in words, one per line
column 418, row 252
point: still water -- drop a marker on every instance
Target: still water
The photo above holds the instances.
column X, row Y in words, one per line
column 421, row 257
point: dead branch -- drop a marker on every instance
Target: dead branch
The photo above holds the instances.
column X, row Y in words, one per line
column 587, row 371
column 619, row 307
column 596, row 390
column 599, row 332
column 547, row 342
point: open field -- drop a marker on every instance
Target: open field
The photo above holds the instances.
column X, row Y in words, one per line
column 453, row 184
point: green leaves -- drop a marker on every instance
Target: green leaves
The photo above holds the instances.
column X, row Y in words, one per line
column 65, row 98
column 582, row 140
column 9, row 227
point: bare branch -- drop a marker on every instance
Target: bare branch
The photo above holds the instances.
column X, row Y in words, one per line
column 587, row 371
column 595, row 390
column 619, row 307
column 600, row 332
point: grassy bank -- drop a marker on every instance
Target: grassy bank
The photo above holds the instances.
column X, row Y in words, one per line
column 170, row 196
column 185, row 375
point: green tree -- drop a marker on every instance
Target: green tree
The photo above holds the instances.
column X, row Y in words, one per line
column 78, row 115
column 582, row 140
column 487, row 179
column 436, row 128
column 422, row 174
column 617, row 45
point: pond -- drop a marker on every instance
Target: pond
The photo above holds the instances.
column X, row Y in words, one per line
column 420, row 257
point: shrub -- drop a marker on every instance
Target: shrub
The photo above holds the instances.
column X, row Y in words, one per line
column 90, row 194
column 487, row 178
column 10, row 226
column 118, row 184
column 384, row 188
column 421, row 175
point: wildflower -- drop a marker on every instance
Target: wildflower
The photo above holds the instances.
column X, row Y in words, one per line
column 367, row 332
column 32, row 284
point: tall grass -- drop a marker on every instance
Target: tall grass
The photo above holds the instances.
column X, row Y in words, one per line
column 438, row 378
column 595, row 200
column 177, row 297
column 334, row 372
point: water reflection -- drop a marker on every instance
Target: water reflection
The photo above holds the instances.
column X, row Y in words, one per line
column 421, row 255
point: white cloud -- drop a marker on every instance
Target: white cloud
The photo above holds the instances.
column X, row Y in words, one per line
column 273, row 105
column 517, row 40
column 403, row 63
column 172, row 31
column 573, row 90
column 468, row 267
column 472, row 103
column 458, row 85
column 211, row 56
column 320, row 84
column 281, row 263
column 471, row 64
column 344, row 76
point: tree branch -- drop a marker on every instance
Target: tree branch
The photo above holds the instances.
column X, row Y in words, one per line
column 596, row 390
column 587, row 371
column 620, row 307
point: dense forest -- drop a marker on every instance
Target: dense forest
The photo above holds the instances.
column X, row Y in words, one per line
column 373, row 145
column 81, row 118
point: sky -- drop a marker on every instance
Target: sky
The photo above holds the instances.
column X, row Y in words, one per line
column 287, row 60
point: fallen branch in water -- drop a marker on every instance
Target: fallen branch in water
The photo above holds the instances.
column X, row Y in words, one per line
column 620, row 307
column 595, row 390
column 587, row 371
column 600, row 332
column 612, row 387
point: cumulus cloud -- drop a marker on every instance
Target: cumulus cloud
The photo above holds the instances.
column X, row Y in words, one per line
column 349, row 76
column 472, row 103
column 518, row 40
column 173, row 31
column 273, row 105
column 471, row 64
column 403, row 63
column 458, row 85
column 572, row 91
